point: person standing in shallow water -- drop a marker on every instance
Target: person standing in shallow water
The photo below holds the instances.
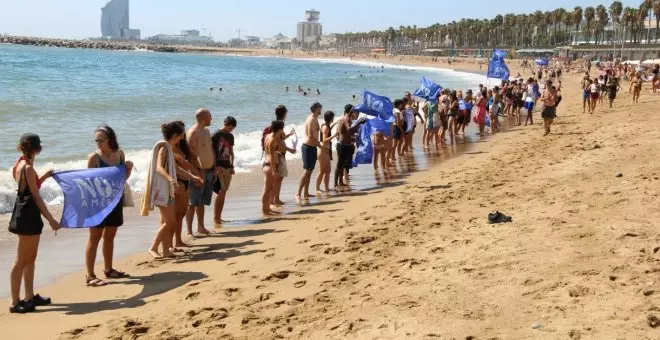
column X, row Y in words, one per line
column 282, row 170
column 345, row 148
column 309, row 150
column 199, row 142
column 223, row 147
column 325, row 153
column 106, row 155
column 270, row 165
column 26, row 223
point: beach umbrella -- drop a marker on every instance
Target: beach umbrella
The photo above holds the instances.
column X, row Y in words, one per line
column 651, row 61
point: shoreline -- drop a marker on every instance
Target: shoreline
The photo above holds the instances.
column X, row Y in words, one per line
column 388, row 261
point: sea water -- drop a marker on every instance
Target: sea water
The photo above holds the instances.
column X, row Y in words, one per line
column 64, row 94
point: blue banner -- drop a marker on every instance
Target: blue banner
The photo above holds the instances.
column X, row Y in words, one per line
column 427, row 89
column 90, row 195
column 542, row 62
column 364, row 153
column 375, row 105
column 497, row 67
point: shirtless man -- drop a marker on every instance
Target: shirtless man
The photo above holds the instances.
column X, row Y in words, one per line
column 345, row 149
column 549, row 111
column 203, row 157
column 309, row 149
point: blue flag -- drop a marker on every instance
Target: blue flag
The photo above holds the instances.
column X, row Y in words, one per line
column 364, row 153
column 497, row 67
column 90, row 195
column 375, row 105
column 427, row 89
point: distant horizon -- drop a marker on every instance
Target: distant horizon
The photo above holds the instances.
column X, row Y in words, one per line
column 259, row 18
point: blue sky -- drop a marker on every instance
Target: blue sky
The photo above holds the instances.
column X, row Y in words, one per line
column 263, row 18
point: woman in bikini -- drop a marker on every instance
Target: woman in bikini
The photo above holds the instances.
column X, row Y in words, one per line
column 107, row 154
column 467, row 114
column 378, row 141
column 325, row 153
column 637, row 83
column 186, row 174
column 594, row 91
column 26, row 223
column 271, row 162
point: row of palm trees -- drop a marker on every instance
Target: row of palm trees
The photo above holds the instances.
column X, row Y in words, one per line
column 595, row 25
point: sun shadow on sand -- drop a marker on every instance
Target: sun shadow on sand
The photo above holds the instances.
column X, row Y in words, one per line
column 248, row 233
column 155, row 284
column 242, row 223
column 322, row 203
column 312, row 211
column 217, row 251
column 435, row 187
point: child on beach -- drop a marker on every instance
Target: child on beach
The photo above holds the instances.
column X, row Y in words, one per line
column 27, row 224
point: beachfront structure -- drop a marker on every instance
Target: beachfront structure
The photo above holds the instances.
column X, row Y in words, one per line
column 115, row 19
column 310, row 30
column 182, row 39
column 280, row 41
column 329, row 40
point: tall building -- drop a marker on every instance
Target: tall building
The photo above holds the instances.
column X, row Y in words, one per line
column 115, row 20
column 310, row 29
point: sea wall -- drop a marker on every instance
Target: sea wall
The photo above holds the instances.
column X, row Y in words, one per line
column 93, row 44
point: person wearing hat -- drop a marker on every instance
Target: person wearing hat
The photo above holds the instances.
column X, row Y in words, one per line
column 26, row 223
column 309, row 149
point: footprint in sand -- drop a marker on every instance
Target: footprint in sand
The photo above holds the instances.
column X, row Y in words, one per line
column 300, row 284
column 192, row 296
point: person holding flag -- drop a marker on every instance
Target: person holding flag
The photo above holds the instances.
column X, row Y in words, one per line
column 26, row 223
column 106, row 155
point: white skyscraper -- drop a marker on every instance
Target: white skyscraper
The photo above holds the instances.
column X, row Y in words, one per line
column 115, row 20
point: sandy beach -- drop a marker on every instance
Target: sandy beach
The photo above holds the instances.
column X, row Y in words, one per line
column 414, row 257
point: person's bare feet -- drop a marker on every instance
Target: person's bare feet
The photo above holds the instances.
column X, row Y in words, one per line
column 169, row 254
column 298, row 200
column 155, row 254
column 306, row 196
column 279, row 203
column 203, row 231
column 181, row 245
column 270, row 213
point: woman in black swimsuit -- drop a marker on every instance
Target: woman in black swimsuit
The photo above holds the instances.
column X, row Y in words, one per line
column 453, row 115
column 106, row 155
column 27, row 224
column 185, row 174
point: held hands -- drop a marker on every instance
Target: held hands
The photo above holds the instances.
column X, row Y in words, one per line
column 232, row 171
column 129, row 165
column 48, row 174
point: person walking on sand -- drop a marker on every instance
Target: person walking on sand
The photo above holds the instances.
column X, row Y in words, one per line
column 186, row 175
column 223, row 149
column 325, row 153
column 345, row 148
column 201, row 148
column 107, row 154
column 282, row 170
column 27, row 224
column 612, row 88
column 161, row 188
column 549, row 111
column 270, row 164
column 309, row 150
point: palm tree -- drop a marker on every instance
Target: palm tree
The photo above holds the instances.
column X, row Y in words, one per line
column 656, row 12
column 589, row 15
column 603, row 18
column 577, row 17
column 616, row 9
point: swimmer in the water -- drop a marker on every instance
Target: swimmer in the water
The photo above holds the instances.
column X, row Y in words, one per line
column 287, row 89
column 318, row 91
column 305, row 93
